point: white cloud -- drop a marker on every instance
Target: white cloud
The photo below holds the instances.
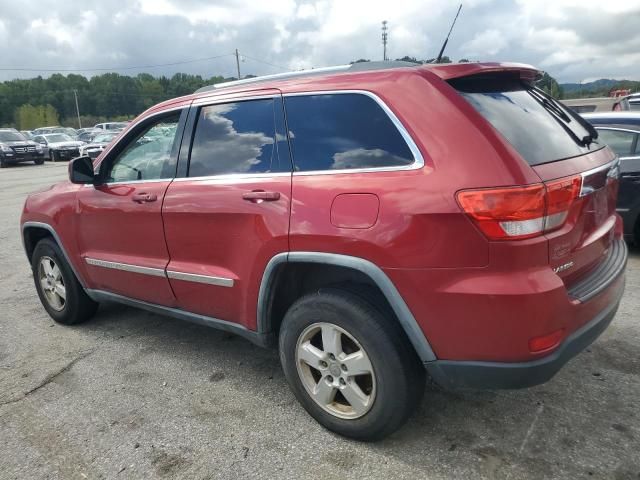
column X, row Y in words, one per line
column 572, row 39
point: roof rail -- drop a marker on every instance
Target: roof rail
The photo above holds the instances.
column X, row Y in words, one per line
column 354, row 67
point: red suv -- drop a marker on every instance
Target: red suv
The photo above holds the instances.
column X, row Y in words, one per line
column 376, row 222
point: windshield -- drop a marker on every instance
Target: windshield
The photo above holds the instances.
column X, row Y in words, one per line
column 58, row 137
column 11, row 137
column 539, row 128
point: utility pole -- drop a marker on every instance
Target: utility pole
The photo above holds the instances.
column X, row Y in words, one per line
column 385, row 35
column 75, row 94
column 238, row 63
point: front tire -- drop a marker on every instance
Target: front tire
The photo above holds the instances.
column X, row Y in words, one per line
column 61, row 294
column 349, row 365
column 39, row 161
column 53, row 156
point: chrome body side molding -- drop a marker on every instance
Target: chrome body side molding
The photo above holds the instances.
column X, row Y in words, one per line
column 375, row 273
column 125, row 267
column 161, row 272
column 207, row 279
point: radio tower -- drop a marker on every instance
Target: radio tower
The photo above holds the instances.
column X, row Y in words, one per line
column 385, row 36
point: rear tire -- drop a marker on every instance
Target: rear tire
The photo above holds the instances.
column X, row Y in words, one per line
column 53, row 156
column 61, row 294
column 329, row 335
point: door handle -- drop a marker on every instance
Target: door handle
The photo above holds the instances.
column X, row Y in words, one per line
column 144, row 197
column 259, row 196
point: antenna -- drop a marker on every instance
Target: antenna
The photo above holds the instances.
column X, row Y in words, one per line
column 444, row 45
column 385, row 36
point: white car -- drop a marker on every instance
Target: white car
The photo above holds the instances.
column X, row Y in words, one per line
column 58, row 146
column 111, row 126
column 98, row 144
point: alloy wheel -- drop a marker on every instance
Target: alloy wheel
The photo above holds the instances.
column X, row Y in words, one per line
column 52, row 283
column 335, row 370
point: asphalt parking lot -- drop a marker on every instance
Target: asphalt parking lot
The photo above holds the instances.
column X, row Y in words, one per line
column 136, row 395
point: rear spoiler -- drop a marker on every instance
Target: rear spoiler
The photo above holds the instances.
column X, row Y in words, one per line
column 457, row 70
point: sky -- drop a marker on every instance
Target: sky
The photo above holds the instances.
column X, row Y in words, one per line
column 573, row 40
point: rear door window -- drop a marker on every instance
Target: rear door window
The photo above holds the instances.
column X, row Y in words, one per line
column 342, row 132
column 539, row 128
column 239, row 138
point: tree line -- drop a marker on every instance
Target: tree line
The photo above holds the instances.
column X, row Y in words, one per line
column 32, row 103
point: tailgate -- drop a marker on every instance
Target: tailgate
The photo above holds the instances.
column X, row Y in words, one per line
column 586, row 238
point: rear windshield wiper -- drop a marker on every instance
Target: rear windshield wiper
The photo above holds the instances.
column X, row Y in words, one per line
column 564, row 118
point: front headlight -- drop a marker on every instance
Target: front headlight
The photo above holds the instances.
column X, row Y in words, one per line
column 38, row 148
column 5, row 148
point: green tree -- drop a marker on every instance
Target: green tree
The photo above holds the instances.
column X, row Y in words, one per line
column 28, row 117
column 550, row 85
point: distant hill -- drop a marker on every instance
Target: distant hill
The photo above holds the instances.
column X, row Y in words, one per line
column 598, row 88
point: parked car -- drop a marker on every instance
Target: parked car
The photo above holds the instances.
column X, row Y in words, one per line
column 599, row 104
column 16, row 148
column 58, row 146
column 87, row 137
column 111, row 126
column 621, row 132
column 447, row 219
column 45, row 130
column 27, row 134
column 98, row 144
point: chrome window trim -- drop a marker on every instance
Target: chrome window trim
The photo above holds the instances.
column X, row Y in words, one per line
column 126, row 267
column 198, row 278
column 233, row 176
column 226, row 97
column 131, row 182
column 418, row 159
column 627, row 130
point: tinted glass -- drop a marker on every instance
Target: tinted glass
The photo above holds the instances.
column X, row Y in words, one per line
column 619, row 141
column 148, row 155
column 343, row 131
column 538, row 134
column 11, row 137
column 58, row 137
column 237, row 137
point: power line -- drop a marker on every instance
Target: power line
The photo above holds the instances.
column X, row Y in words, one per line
column 265, row 62
column 101, row 69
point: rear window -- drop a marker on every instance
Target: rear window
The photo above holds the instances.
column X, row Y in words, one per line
column 538, row 127
column 342, row 132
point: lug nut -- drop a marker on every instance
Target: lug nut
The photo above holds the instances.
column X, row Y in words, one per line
column 343, row 367
column 330, row 379
column 332, row 356
column 342, row 382
column 323, row 364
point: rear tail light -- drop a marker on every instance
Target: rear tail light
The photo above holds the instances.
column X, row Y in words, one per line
column 514, row 213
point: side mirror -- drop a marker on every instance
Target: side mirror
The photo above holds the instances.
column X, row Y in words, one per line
column 81, row 170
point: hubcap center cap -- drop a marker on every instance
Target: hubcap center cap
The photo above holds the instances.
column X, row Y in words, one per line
column 335, row 370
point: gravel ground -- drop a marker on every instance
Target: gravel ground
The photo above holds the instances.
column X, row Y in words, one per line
column 136, row 395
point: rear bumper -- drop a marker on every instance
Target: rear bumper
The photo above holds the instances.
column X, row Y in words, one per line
column 497, row 375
